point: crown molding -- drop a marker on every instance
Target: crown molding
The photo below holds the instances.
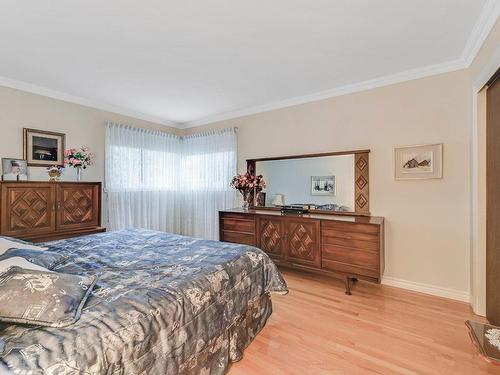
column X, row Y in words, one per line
column 408, row 75
column 34, row 89
column 485, row 22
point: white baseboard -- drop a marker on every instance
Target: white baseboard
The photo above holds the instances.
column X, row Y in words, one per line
column 427, row 289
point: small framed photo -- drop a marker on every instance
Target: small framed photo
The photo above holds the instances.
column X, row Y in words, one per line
column 43, row 148
column 323, row 185
column 418, row 162
column 14, row 170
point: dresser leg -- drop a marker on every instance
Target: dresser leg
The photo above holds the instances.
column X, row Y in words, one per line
column 348, row 285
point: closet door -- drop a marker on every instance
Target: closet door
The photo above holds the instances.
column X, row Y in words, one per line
column 303, row 242
column 27, row 209
column 493, row 200
column 78, row 205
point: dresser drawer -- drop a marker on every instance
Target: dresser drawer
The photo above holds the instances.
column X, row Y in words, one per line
column 238, row 225
column 351, row 243
column 349, row 235
column 350, row 269
column 355, row 257
column 239, row 237
column 350, row 227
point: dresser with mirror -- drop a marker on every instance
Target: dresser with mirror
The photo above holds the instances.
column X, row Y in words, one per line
column 335, row 236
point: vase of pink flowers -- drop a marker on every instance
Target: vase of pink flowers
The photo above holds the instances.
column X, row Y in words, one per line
column 78, row 158
column 249, row 186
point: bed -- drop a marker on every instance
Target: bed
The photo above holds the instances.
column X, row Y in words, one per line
column 163, row 304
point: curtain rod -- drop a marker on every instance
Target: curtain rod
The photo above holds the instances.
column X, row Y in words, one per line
column 211, row 132
column 159, row 132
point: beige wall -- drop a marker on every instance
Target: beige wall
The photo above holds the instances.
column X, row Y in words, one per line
column 427, row 221
column 82, row 125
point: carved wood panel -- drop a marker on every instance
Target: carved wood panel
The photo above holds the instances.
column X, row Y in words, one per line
column 27, row 209
column 303, row 237
column 77, row 205
column 361, row 183
column 271, row 235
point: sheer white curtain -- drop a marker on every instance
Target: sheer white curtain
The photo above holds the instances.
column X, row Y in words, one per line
column 208, row 163
column 141, row 178
column 169, row 183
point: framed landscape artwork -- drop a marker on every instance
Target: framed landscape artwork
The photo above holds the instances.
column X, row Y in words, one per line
column 323, row 185
column 418, row 162
column 43, row 148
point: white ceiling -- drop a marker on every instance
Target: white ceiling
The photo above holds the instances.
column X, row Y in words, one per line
column 192, row 62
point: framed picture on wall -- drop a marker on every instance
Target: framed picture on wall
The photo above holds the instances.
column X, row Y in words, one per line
column 43, row 148
column 323, row 185
column 418, row 162
column 14, row 169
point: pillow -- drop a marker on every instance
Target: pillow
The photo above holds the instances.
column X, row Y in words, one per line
column 19, row 262
column 7, row 243
column 43, row 298
column 47, row 259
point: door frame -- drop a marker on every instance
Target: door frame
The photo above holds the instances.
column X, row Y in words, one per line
column 478, row 193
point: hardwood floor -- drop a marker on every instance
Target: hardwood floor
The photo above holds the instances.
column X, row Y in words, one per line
column 317, row 329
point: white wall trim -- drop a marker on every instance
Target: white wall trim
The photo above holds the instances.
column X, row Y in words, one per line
column 339, row 91
column 427, row 289
column 485, row 22
column 478, row 253
column 34, row 89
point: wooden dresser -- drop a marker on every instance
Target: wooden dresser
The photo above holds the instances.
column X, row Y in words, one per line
column 45, row 211
column 350, row 247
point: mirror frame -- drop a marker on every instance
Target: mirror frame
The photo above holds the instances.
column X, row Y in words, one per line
column 361, row 179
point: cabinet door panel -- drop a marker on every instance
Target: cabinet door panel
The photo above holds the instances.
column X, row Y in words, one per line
column 303, row 242
column 27, row 209
column 77, row 206
column 271, row 236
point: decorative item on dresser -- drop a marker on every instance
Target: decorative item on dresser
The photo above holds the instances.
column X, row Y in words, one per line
column 250, row 186
column 54, row 172
column 344, row 246
column 45, row 211
column 79, row 158
column 14, row 169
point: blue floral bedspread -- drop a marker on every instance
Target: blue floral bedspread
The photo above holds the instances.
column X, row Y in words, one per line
column 164, row 304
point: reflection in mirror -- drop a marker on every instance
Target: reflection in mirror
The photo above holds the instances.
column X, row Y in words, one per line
column 324, row 183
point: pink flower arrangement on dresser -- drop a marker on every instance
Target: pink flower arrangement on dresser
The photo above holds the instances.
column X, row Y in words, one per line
column 248, row 185
column 79, row 158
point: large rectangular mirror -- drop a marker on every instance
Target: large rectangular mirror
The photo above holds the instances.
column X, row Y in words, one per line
column 334, row 182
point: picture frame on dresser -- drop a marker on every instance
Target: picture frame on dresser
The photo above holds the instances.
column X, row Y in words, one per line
column 14, row 169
